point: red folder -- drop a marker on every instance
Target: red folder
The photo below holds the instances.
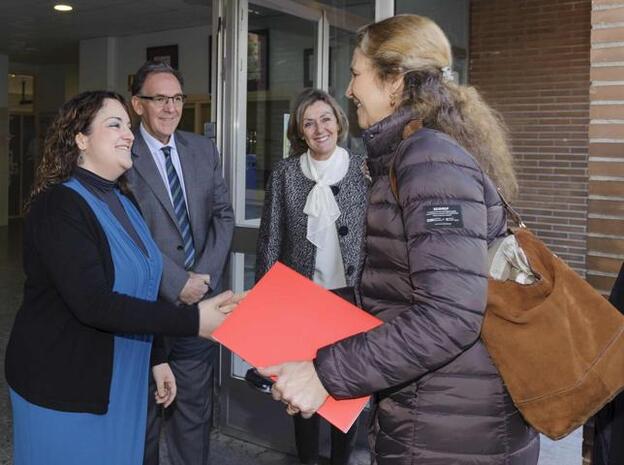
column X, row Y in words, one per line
column 286, row 317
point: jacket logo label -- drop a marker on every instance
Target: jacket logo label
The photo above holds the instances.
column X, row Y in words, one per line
column 444, row 216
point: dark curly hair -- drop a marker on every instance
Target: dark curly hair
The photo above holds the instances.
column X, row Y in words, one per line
column 60, row 152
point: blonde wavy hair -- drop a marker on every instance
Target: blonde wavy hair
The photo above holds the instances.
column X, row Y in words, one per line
column 416, row 48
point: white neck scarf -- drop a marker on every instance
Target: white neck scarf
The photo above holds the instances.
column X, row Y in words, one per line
column 321, row 206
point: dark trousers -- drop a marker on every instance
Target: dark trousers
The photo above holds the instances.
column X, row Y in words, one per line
column 609, row 422
column 186, row 423
column 307, row 441
column 609, row 433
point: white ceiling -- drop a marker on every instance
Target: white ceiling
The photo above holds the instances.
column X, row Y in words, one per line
column 32, row 32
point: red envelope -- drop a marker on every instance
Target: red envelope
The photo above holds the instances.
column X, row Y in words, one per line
column 286, row 317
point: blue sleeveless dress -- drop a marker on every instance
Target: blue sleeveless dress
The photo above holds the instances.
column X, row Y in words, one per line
column 51, row 437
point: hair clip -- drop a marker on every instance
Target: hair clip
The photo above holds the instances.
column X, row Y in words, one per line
column 447, row 74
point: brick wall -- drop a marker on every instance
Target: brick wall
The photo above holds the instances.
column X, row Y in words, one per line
column 605, row 244
column 531, row 61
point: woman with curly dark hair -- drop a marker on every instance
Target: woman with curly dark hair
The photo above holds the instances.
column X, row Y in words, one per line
column 78, row 357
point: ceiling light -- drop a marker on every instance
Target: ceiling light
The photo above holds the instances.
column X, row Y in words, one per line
column 61, row 7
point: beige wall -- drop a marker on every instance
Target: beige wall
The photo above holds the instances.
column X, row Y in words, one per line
column 106, row 62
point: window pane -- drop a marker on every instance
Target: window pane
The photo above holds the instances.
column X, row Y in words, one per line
column 453, row 17
column 361, row 8
column 239, row 367
column 345, row 20
column 280, row 63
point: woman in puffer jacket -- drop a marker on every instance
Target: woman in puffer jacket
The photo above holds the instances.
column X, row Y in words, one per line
column 440, row 400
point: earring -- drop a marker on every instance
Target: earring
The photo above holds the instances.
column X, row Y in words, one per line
column 80, row 160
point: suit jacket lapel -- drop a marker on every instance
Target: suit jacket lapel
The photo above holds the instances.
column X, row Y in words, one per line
column 146, row 168
column 191, row 182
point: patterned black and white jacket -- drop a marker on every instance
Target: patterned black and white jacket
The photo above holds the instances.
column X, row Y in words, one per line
column 282, row 235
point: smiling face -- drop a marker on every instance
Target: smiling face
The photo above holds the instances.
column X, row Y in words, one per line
column 160, row 122
column 372, row 98
column 106, row 147
column 319, row 128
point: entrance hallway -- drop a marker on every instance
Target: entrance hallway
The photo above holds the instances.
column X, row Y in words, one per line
column 225, row 450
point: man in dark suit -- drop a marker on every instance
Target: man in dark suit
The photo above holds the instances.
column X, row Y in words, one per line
column 177, row 181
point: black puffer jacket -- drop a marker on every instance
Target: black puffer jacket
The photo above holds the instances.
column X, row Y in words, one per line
column 440, row 399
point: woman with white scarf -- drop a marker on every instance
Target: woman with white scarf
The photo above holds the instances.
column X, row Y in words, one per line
column 313, row 222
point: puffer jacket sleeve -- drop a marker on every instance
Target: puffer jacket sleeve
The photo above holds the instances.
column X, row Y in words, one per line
column 271, row 233
column 447, row 267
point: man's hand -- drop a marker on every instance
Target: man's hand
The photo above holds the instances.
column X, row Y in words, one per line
column 214, row 311
column 166, row 388
column 298, row 386
column 195, row 288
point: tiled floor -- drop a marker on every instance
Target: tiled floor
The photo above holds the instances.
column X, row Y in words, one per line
column 225, row 450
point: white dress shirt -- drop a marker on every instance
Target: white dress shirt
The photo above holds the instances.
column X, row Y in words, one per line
column 155, row 146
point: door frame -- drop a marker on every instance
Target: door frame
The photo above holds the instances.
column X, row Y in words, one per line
column 251, row 409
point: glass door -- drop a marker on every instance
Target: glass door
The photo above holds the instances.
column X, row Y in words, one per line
column 274, row 56
column 273, row 49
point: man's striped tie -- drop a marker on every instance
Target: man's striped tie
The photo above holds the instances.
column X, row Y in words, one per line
column 179, row 206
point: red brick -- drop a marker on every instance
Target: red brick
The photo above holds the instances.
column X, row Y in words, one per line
column 606, row 188
column 606, row 55
column 597, row 168
column 610, row 16
column 607, row 111
column 605, row 245
column 614, row 73
column 605, row 226
column 607, row 149
column 606, row 2
column 601, row 283
column 606, row 131
column 607, row 265
column 607, row 207
column 607, row 93
column 615, row 34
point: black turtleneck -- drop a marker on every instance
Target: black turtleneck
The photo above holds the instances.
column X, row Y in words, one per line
column 104, row 190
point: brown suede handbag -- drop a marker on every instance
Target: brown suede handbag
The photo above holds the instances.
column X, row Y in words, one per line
column 557, row 343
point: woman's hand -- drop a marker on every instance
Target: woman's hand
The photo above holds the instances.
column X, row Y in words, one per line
column 214, row 311
column 298, row 386
column 166, row 389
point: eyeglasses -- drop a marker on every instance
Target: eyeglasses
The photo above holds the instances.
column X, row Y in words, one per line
column 161, row 100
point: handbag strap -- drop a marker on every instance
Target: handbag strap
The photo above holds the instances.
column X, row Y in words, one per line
column 394, row 187
column 410, row 128
column 511, row 212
